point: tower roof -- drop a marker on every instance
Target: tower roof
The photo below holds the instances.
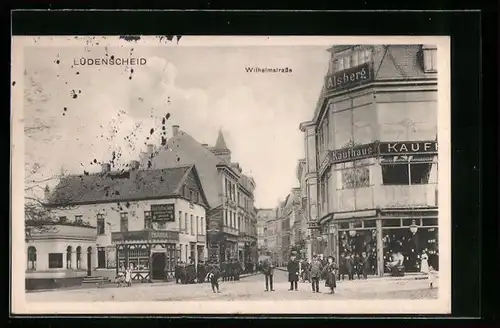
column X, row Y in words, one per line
column 220, row 143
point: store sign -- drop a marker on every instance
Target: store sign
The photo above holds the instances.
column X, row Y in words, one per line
column 354, row 153
column 326, row 162
column 163, row 212
column 350, row 77
column 144, row 235
column 408, row 147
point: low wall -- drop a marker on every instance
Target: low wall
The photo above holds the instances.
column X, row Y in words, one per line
column 52, row 283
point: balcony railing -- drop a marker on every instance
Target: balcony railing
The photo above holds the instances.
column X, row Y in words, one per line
column 230, row 230
column 386, row 196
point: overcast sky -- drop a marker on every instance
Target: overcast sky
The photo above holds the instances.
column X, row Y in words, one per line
column 203, row 89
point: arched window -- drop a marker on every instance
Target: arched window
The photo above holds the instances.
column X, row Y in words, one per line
column 68, row 257
column 31, row 258
column 78, row 257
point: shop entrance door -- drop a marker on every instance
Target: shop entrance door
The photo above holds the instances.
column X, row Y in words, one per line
column 158, row 266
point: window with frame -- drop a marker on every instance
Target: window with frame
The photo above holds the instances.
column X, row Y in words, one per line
column 78, row 219
column 180, row 221
column 101, row 224
column 148, row 220
column 32, row 258
column 203, row 227
column 69, row 253
column 430, row 58
column 79, row 257
column 123, row 222
column 55, row 260
column 63, row 219
column 192, row 224
column 406, row 170
column 355, row 174
column 186, row 222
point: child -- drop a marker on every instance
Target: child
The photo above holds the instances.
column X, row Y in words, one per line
column 213, row 276
column 432, row 276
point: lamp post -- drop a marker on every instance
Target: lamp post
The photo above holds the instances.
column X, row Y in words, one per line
column 413, row 227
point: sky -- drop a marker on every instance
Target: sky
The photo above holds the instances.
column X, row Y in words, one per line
column 91, row 111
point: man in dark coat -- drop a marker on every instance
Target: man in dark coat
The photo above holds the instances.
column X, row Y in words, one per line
column 350, row 266
column 201, row 273
column 342, row 266
column 224, row 268
column 213, row 276
column 183, row 273
column 237, row 270
column 363, row 266
column 293, row 273
column 177, row 272
column 315, row 274
column 268, row 271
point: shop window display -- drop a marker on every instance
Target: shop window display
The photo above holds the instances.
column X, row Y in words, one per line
column 362, row 241
column 401, row 241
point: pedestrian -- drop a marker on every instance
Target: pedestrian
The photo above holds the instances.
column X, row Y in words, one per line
column 268, row 271
column 224, row 268
column 213, row 276
column 350, row 266
column 293, row 273
column 342, row 266
column 432, row 276
column 315, row 274
column 329, row 272
column 201, row 273
column 183, row 273
column 128, row 276
column 424, row 263
column 363, row 265
column 177, row 272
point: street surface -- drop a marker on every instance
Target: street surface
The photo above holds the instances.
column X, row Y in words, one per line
column 248, row 288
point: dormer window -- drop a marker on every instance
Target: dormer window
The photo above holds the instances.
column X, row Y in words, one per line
column 430, row 58
column 353, row 58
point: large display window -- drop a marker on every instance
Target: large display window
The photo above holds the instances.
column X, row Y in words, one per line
column 410, row 238
column 358, row 237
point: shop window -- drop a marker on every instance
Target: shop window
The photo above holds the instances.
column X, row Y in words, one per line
column 363, row 243
column 370, row 223
column 31, row 258
column 406, row 170
column 55, row 260
column 79, row 257
column 357, row 224
column 68, row 257
column 148, row 220
column 123, row 222
column 391, row 223
column 101, row 224
column 432, row 222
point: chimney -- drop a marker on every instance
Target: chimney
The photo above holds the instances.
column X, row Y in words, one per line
column 105, row 167
column 46, row 193
column 175, row 129
column 133, row 167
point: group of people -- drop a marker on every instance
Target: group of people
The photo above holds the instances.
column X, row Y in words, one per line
column 318, row 269
column 190, row 273
column 231, row 270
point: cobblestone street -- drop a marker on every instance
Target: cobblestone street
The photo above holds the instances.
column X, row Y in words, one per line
column 249, row 288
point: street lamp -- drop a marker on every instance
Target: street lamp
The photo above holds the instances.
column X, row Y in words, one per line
column 413, row 227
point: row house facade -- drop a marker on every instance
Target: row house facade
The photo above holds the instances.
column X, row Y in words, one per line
column 145, row 220
column 231, row 223
column 372, row 155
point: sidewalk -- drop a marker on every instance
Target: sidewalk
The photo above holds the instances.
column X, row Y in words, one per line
column 113, row 285
column 407, row 276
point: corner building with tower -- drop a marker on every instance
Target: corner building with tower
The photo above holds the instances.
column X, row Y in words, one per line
column 371, row 172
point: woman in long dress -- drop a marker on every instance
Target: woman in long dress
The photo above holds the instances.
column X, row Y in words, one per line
column 128, row 276
column 424, row 263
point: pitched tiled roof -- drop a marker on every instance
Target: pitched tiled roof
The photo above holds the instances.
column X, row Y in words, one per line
column 119, row 186
column 182, row 149
column 401, row 61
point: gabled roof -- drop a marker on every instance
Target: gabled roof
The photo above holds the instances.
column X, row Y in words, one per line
column 220, row 143
column 182, row 149
column 121, row 187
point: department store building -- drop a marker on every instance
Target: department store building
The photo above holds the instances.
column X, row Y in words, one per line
column 372, row 155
